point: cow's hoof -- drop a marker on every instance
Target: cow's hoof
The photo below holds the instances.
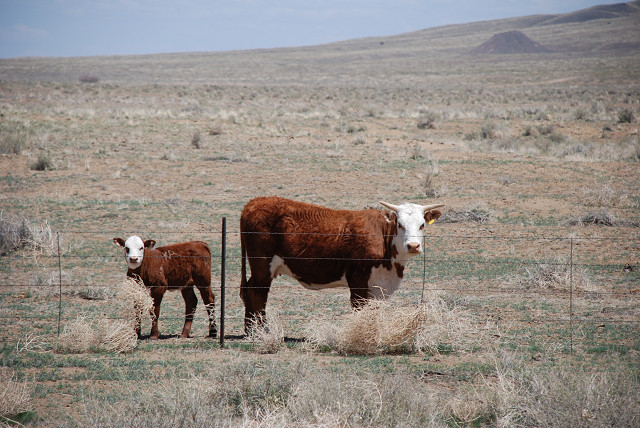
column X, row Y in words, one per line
column 153, row 337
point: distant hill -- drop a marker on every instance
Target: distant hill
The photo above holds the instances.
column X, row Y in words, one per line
column 610, row 11
column 509, row 42
column 602, row 42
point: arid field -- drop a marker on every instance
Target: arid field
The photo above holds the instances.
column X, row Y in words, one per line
column 523, row 311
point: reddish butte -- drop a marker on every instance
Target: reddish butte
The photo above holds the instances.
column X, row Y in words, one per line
column 364, row 250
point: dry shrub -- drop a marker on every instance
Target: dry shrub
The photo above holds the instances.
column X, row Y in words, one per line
column 82, row 335
column 32, row 343
column 360, row 333
column 602, row 218
column 19, row 232
column 267, row 334
column 88, row 78
column 134, row 301
column 467, row 410
column 563, row 397
column 15, row 396
column 272, row 392
column 378, row 327
column 554, row 276
column 603, row 196
column 478, row 213
column 448, row 328
column 78, row 336
column 119, row 335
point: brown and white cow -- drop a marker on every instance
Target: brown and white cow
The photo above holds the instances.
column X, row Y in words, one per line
column 321, row 248
column 172, row 267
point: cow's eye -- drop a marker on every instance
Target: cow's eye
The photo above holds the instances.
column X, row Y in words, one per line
column 400, row 226
column 126, row 250
column 422, row 226
column 141, row 249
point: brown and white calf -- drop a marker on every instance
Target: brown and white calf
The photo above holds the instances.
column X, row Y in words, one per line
column 364, row 250
column 172, row 267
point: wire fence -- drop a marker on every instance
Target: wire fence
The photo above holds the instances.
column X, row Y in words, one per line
column 570, row 284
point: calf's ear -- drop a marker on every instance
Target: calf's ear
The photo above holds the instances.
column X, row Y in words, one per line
column 431, row 216
column 149, row 243
column 118, row 241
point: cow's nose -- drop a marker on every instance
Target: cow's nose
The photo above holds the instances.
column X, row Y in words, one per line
column 133, row 259
column 413, row 247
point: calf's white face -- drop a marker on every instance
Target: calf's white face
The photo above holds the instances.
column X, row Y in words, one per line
column 133, row 251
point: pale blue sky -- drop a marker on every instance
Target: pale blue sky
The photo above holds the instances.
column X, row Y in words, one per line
column 123, row 27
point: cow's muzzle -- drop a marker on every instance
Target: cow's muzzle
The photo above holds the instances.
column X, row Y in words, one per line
column 413, row 247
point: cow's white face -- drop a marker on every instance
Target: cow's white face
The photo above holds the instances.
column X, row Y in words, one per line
column 134, row 251
column 411, row 221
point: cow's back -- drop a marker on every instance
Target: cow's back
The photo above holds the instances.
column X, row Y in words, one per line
column 278, row 226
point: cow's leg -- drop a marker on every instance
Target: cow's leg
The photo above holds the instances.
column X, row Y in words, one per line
column 156, row 295
column 358, row 288
column 190, row 303
column 209, row 303
column 255, row 301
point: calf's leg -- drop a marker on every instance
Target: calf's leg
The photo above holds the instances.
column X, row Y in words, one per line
column 156, row 295
column 209, row 303
column 190, row 302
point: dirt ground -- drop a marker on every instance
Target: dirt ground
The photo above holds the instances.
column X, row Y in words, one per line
column 533, row 184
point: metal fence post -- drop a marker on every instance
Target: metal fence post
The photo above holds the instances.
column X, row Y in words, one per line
column 424, row 267
column 571, row 296
column 222, row 278
column 60, row 284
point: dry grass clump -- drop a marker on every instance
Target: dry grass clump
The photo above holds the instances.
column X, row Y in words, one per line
column 88, row 78
column 554, row 276
column 603, row 196
column 119, row 335
column 15, row 396
column 601, row 218
column 269, row 393
column 428, row 120
column 561, row 398
column 377, row 328
column 478, row 213
column 82, row 335
column 134, row 301
column 14, row 137
column 553, row 397
column 19, row 232
column 267, row 334
column 78, row 336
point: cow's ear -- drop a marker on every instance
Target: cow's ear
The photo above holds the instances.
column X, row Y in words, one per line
column 390, row 216
column 118, row 241
column 431, row 216
column 149, row 243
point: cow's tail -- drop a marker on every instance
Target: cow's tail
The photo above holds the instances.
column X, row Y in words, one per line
column 243, row 266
